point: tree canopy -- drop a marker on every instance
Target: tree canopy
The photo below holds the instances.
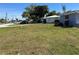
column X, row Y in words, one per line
column 52, row 13
column 64, row 8
column 35, row 11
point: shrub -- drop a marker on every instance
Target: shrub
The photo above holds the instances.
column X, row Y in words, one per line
column 24, row 22
column 57, row 23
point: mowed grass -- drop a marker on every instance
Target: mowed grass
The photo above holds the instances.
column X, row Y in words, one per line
column 39, row 39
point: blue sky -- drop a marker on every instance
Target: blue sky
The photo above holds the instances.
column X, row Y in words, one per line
column 15, row 10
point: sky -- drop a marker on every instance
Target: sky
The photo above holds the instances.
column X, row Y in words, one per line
column 15, row 10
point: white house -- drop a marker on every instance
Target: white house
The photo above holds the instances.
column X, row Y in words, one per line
column 51, row 19
column 71, row 18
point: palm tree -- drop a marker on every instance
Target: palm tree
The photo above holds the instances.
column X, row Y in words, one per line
column 64, row 8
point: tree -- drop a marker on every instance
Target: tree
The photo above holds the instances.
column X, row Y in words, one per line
column 25, row 14
column 17, row 19
column 58, row 13
column 64, row 8
column 35, row 12
column 2, row 20
column 40, row 11
column 52, row 13
column 28, row 11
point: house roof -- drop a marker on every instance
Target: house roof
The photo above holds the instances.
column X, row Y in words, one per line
column 71, row 12
column 54, row 16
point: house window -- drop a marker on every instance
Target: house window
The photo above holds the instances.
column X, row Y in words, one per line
column 66, row 16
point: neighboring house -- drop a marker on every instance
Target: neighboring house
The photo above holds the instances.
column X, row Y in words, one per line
column 70, row 18
column 51, row 19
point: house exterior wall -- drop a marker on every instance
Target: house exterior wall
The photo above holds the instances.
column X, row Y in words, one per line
column 50, row 20
column 72, row 19
column 62, row 19
column 77, row 19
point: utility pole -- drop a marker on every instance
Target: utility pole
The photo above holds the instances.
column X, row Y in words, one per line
column 6, row 17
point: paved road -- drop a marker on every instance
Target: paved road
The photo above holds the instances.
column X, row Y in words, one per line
column 5, row 25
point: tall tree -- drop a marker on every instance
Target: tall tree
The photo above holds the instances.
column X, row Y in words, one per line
column 64, row 8
column 40, row 11
column 28, row 11
column 35, row 11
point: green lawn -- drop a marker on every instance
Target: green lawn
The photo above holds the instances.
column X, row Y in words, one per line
column 39, row 39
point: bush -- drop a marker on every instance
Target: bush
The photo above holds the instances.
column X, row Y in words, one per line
column 44, row 20
column 57, row 23
column 39, row 21
column 24, row 22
